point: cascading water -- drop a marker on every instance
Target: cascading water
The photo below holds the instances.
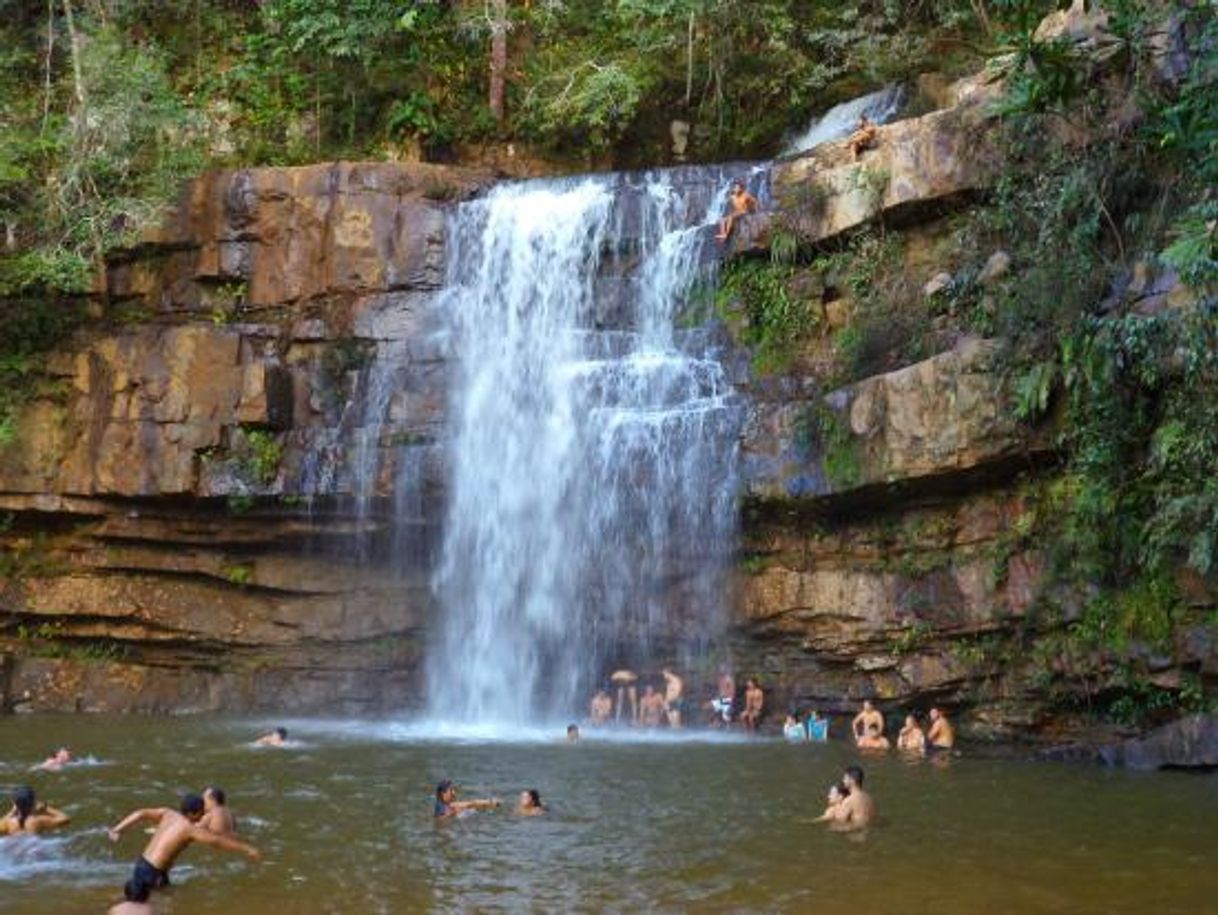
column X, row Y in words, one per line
column 837, row 123
column 592, row 444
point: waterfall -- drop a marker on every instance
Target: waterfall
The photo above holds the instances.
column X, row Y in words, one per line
column 592, row 443
column 840, row 120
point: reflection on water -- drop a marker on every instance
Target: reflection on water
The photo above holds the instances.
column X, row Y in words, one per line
column 709, row 826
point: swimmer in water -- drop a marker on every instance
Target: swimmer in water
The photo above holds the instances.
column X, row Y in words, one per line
column 869, row 721
column 55, row 761
column 651, row 709
column 573, row 733
column 858, row 809
column 275, row 738
column 530, row 804
column 217, row 815
column 600, row 708
column 448, row 807
column 27, row 817
column 942, row 736
column 135, row 901
column 175, row 830
column 833, row 809
column 911, row 739
column 754, row 704
column 873, row 739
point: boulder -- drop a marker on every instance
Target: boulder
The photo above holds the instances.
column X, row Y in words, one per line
column 1188, row 743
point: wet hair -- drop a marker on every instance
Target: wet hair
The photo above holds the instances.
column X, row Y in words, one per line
column 135, row 890
column 23, row 800
column 192, row 804
column 534, row 797
column 573, row 728
column 282, row 732
column 855, row 774
column 216, row 793
column 738, row 183
column 443, row 787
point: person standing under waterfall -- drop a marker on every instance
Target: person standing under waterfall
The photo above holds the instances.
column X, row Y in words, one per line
column 600, row 709
column 651, row 709
column 674, row 687
column 627, row 691
column 741, row 203
column 754, row 704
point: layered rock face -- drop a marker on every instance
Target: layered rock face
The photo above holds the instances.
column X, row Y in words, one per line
column 190, row 500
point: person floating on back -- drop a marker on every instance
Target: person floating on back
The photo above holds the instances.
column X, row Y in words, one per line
column 941, row 736
column 530, row 804
column 27, row 817
column 175, row 830
column 275, row 738
column 448, row 807
column 741, row 203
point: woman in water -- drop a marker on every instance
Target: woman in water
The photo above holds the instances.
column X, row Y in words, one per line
column 30, row 818
column 793, row 731
column 833, row 811
column 530, row 804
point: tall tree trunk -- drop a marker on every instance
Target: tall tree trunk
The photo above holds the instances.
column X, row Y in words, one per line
column 499, row 26
column 46, row 97
column 74, row 40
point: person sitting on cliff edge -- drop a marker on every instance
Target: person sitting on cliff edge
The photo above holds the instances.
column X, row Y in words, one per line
column 864, row 136
column 741, row 203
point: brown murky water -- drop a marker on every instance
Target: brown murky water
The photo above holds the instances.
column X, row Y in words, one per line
column 344, row 821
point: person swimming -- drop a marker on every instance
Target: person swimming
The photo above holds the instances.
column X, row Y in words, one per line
column 911, row 739
column 857, row 810
column 55, row 761
column 28, row 817
column 573, row 734
column 530, row 804
column 448, row 807
column 217, row 815
column 873, row 739
column 793, row 731
column 276, row 738
column 175, row 830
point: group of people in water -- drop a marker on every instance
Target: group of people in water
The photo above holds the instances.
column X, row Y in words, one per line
column 867, row 728
column 204, row 818
column 663, row 702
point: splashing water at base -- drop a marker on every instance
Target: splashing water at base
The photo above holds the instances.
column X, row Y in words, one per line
column 592, row 446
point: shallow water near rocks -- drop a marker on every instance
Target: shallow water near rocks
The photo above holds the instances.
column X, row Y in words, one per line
column 343, row 818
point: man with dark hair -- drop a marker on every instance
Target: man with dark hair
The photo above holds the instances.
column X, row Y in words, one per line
column 217, row 815
column 741, row 203
column 175, row 830
column 135, row 900
column 941, row 736
column 858, row 809
column 275, row 738
column 448, row 807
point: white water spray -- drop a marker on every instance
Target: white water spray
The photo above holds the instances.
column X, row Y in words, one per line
column 592, row 446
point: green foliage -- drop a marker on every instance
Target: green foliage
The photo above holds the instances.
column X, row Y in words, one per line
column 1033, row 389
column 259, row 454
column 821, row 429
column 239, row 575
column 1194, row 248
column 776, row 319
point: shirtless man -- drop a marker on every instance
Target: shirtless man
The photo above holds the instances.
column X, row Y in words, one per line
column 863, row 137
column 868, row 721
column 449, row 808
column 275, row 738
column 627, row 692
column 858, row 809
column 754, row 704
column 530, row 804
column 873, row 739
column 174, row 832
column 27, row 817
column 217, row 815
column 741, row 202
column 55, row 761
column 674, row 687
column 600, row 708
column 651, row 709
column 911, row 739
column 942, row 736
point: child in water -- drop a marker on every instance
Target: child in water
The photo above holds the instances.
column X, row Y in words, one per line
column 833, row 811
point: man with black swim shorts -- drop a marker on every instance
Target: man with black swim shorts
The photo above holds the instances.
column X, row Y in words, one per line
column 174, row 831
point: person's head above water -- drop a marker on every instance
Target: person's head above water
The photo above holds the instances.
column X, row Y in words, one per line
column 23, row 801
column 738, row 186
column 281, row 733
column 852, row 778
column 445, row 790
column 867, row 706
column 911, row 721
column 213, row 796
column 136, row 891
column 838, row 793
column 192, row 806
column 530, row 799
column 573, row 732
column 935, row 714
